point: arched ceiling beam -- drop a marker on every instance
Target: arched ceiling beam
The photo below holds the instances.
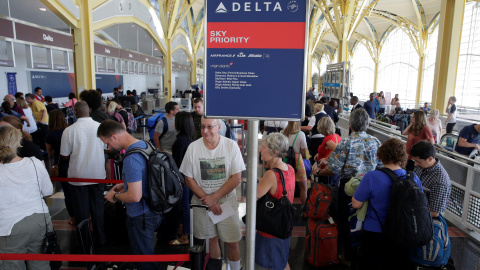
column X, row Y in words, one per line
column 131, row 19
column 184, row 48
column 406, row 25
column 67, row 11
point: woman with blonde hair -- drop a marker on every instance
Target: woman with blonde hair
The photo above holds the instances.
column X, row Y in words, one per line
column 111, row 109
column 25, row 217
column 28, row 113
column 435, row 124
column 297, row 140
column 417, row 131
column 326, row 127
column 28, row 148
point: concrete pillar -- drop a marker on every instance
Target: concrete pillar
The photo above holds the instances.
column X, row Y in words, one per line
column 421, row 67
column 83, row 49
column 167, row 76
column 448, row 47
column 375, row 76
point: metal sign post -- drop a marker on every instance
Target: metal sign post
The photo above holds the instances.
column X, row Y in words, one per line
column 252, row 165
column 255, row 69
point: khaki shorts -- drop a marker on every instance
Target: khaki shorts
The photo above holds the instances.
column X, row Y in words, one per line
column 228, row 229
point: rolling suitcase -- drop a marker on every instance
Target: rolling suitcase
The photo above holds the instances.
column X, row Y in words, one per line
column 321, row 243
column 199, row 254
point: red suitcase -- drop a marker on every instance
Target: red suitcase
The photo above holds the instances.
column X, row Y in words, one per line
column 321, row 243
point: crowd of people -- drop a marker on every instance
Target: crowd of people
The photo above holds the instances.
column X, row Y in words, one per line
column 212, row 166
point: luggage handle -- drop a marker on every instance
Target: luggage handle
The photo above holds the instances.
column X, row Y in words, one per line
column 206, row 225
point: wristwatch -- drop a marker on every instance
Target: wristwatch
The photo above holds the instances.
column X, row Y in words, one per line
column 115, row 199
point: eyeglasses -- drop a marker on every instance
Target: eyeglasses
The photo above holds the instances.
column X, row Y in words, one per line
column 208, row 127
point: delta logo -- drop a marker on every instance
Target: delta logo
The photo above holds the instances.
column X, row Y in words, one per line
column 252, row 6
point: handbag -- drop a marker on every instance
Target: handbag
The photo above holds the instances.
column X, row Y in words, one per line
column 50, row 245
column 54, row 171
column 276, row 216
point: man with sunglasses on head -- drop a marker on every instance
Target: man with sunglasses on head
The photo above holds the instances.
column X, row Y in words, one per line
column 212, row 167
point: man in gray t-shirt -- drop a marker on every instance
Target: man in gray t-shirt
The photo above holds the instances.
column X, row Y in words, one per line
column 165, row 141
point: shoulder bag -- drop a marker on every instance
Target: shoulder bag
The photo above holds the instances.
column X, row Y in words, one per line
column 276, row 216
column 50, row 245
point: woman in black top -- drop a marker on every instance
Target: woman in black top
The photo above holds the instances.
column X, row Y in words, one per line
column 56, row 125
column 186, row 133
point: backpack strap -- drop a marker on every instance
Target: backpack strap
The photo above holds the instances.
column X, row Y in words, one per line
column 144, row 151
column 284, row 192
column 165, row 126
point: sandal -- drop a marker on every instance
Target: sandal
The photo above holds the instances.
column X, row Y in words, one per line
column 176, row 242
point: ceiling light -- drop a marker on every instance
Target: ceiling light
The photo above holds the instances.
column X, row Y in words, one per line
column 156, row 49
column 42, row 9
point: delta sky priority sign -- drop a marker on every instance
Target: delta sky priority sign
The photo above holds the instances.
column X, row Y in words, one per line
column 255, row 58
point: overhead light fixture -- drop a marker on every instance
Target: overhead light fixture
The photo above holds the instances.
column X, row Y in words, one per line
column 42, row 9
column 156, row 49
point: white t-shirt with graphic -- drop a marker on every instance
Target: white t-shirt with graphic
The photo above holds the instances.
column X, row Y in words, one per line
column 212, row 168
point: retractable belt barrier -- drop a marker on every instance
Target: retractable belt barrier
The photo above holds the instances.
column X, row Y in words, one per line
column 95, row 258
column 84, row 180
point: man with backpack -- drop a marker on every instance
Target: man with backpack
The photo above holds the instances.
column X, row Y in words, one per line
column 434, row 177
column 141, row 221
column 165, row 137
column 212, row 167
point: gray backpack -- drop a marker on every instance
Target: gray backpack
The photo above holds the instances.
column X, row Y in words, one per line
column 165, row 182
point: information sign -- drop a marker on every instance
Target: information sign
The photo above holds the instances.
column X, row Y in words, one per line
column 255, row 60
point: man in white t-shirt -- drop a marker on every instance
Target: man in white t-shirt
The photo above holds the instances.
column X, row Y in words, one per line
column 212, row 167
column 85, row 150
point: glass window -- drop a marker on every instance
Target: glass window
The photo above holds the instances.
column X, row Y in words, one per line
column 398, row 68
column 429, row 70
column 363, row 73
column 467, row 88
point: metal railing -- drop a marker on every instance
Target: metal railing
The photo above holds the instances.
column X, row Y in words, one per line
column 463, row 209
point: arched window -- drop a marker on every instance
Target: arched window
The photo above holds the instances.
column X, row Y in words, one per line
column 429, row 71
column 467, row 88
column 363, row 73
column 398, row 68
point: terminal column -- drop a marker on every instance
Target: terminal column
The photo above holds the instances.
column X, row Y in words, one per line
column 448, row 47
column 83, row 49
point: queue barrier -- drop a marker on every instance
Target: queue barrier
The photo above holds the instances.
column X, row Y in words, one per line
column 85, row 180
column 95, row 258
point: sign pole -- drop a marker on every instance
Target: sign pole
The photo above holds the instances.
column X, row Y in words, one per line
column 252, row 165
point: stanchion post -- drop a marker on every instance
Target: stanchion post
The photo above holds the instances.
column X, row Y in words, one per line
column 144, row 127
column 252, row 164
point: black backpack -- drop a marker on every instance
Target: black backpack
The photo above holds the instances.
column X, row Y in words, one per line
column 165, row 182
column 408, row 223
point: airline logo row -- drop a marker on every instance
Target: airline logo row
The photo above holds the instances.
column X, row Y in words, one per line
column 292, row 6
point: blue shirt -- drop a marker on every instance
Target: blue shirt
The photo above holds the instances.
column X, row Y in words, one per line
column 370, row 108
column 471, row 135
column 135, row 169
column 376, row 187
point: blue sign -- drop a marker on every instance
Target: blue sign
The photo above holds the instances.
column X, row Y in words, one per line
column 59, row 84
column 108, row 82
column 54, row 84
column 12, row 83
column 332, row 84
column 255, row 59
